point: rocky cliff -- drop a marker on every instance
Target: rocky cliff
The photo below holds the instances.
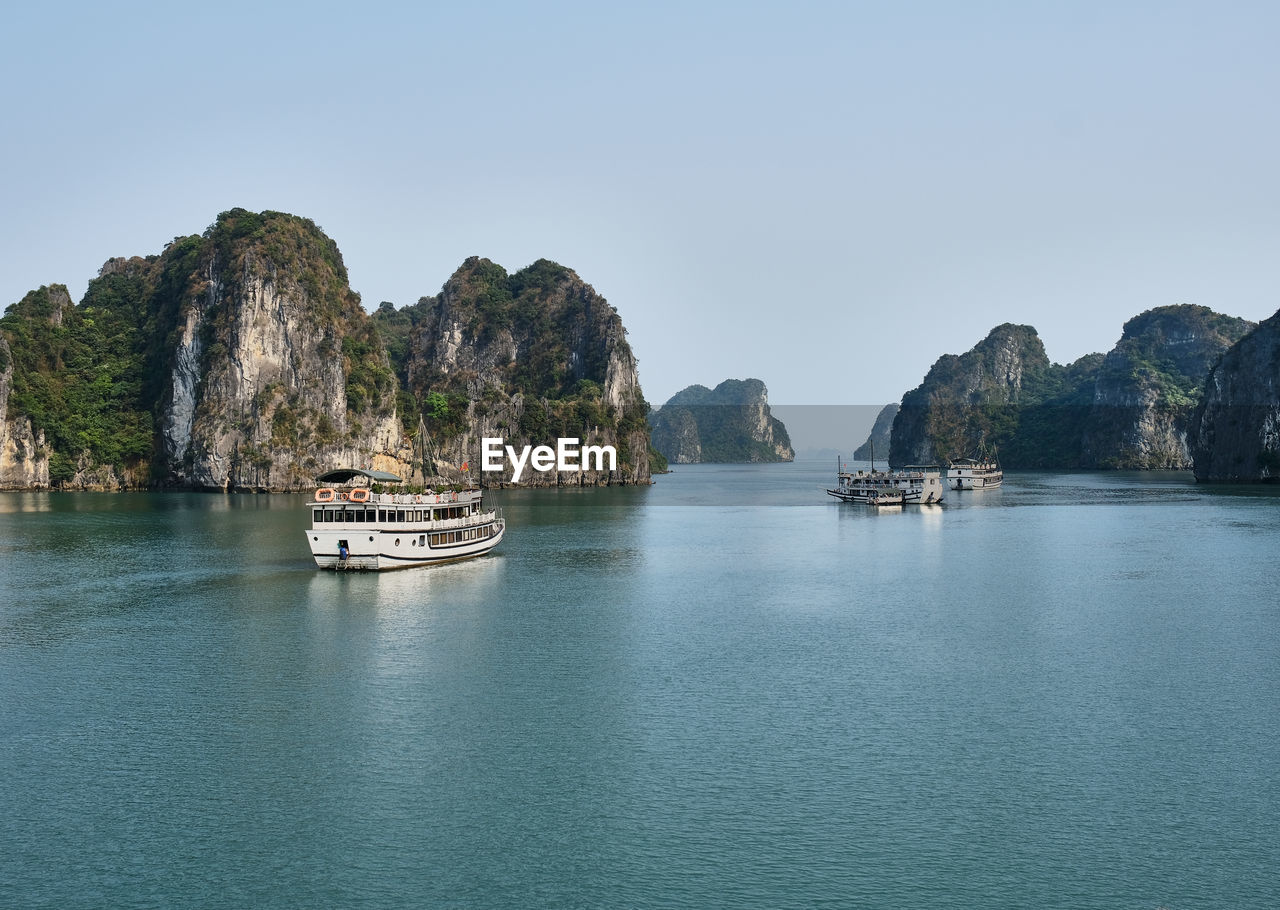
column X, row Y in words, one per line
column 1236, row 429
column 275, row 372
column 878, row 441
column 24, row 460
column 235, row 359
column 730, row 423
column 1130, row 409
column 240, row 359
column 1149, row 385
column 529, row 357
column 969, row 402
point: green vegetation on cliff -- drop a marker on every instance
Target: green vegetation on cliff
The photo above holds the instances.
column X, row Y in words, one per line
column 241, row 358
column 528, row 353
column 78, row 374
column 1129, row 409
column 96, row 377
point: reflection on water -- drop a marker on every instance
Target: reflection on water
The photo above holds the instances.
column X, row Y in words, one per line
column 726, row 688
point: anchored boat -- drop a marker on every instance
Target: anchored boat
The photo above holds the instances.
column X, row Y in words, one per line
column 915, row 484
column 354, row 528
column 974, row 474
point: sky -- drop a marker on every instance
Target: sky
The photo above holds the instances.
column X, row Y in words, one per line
column 824, row 196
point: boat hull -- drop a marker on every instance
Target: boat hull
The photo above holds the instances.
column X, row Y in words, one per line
column 376, row 550
column 969, row 481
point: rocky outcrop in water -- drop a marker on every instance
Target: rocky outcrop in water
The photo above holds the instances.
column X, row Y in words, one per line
column 1131, row 409
column 528, row 357
column 1236, row 429
column 1149, row 385
column 240, row 359
column 730, row 423
column 965, row 401
column 276, row 372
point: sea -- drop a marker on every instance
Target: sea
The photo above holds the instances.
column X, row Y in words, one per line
column 727, row 689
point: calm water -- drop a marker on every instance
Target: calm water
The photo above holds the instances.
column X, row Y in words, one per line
column 728, row 690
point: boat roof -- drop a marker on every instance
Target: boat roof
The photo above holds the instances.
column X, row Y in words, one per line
column 345, row 475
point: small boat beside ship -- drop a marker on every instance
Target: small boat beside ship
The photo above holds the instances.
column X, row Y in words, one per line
column 353, row 527
column 974, row 474
column 886, row 498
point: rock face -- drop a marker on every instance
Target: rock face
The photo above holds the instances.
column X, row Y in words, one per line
column 529, row 357
column 878, row 442
column 1131, row 409
column 1236, row 429
column 965, row 401
column 24, row 462
column 730, row 423
column 1149, row 385
column 276, row 373
column 240, row 359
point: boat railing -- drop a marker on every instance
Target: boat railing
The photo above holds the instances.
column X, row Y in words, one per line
column 468, row 522
column 335, row 497
column 426, row 499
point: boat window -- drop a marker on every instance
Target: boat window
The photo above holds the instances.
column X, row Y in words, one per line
column 382, row 515
column 360, row 515
column 422, row 540
column 317, row 516
column 417, row 515
column 351, row 514
column 400, row 515
column 435, row 540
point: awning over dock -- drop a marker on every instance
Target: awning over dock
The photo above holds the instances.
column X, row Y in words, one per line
column 346, row 475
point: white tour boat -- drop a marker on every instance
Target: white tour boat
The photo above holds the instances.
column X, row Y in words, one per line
column 972, row 474
column 355, row 528
column 917, row 484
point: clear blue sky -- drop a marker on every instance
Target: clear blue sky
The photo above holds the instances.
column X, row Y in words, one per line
column 824, row 196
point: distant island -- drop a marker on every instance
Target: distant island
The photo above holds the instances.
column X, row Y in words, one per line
column 240, row 359
column 1183, row 388
column 730, row 423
